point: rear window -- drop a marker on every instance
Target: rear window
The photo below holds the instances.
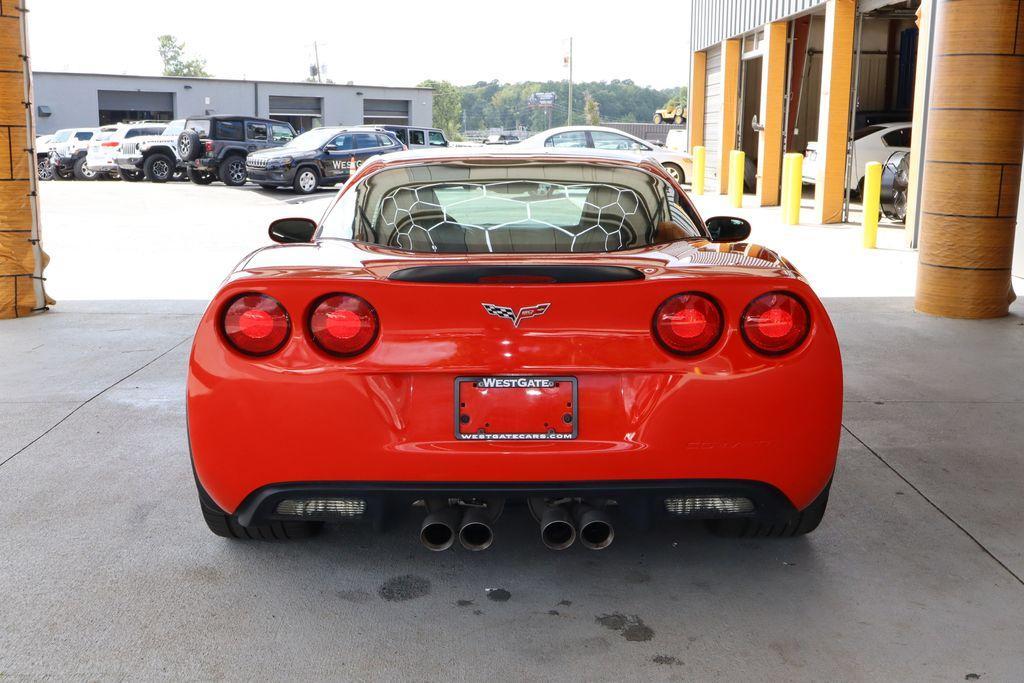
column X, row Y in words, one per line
column 201, row 126
column 61, row 136
column 83, row 135
column 565, row 208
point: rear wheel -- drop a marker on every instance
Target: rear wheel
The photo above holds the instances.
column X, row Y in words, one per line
column 158, row 168
column 199, row 177
column 798, row 524
column 82, row 170
column 232, row 170
column 658, row 118
column 306, row 180
column 676, row 172
column 226, row 526
column 678, row 119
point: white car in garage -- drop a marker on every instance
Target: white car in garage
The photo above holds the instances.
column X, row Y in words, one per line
column 871, row 143
column 678, row 164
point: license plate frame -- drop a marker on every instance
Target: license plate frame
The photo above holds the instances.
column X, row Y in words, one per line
column 521, row 383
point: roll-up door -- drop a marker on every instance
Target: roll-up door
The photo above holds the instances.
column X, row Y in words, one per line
column 713, row 114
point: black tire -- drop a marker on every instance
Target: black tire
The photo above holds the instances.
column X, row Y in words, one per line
column 199, row 177
column 307, row 180
column 158, row 168
column 232, row 170
column 226, row 526
column 189, row 145
column 44, row 171
column 800, row 523
column 658, row 119
column 676, row 171
column 82, row 172
column 132, row 176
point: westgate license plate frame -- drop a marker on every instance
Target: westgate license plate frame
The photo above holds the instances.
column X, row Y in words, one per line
column 525, row 436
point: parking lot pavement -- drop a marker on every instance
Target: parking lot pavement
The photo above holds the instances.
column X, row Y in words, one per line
column 107, row 570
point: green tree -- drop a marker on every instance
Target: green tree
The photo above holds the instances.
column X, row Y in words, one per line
column 172, row 52
column 591, row 110
column 447, row 107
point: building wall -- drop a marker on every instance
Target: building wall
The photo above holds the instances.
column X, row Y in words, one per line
column 73, row 99
column 713, row 21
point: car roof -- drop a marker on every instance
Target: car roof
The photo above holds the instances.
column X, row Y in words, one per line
column 514, row 153
column 233, row 117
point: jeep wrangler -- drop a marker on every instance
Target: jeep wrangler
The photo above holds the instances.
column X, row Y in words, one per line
column 215, row 147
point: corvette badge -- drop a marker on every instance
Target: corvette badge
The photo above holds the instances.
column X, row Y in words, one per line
column 516, row 317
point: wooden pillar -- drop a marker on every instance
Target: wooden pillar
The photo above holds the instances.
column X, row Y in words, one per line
column 834, row 111
column 730, row 95
column 695, row 99
column 972, row 159
column 769, row 140
column 21, row 258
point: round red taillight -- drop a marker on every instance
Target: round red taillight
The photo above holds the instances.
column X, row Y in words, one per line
column 688, row 324
column 775, row 323
column 343, row 324
column 255, row 324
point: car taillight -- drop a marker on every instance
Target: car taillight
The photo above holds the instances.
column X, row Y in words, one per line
column 688, row 323
column 256, row 324
column 775, row 323
column 343, row 324
column 208, row 146
column 111, row 143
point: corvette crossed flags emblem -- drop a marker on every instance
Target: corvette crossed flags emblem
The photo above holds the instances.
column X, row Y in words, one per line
column 516, row 317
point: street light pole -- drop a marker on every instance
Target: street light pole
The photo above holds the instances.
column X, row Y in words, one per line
column 316, row 56
column 569, row 120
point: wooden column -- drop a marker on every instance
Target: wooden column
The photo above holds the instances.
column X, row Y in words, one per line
column 21, row 258
column 769, row 140
column 972, row 153
column 730, row 95
column 695, row 99
column 834, row 112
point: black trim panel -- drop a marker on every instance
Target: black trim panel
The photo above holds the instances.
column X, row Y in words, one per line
column 561, row 274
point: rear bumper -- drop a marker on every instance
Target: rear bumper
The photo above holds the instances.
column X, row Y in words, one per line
column 644, row 500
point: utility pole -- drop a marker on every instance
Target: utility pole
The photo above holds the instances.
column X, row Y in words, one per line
column 316, row 56
column 569, row 120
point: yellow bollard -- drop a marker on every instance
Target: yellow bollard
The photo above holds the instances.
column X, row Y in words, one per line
column 787, row 168
column 699, row 162
column 795, row 188
column 736, row 159
column 872, row 197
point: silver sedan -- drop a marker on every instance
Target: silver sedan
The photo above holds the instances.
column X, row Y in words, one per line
column 678, row 164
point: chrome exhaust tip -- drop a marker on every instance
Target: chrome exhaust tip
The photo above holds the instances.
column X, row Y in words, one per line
column 437, row 532
column 475, row 532
column 556, row 528
column 595, row 527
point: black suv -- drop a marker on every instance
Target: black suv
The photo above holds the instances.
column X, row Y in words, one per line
column 213, row 147
column 320, row 157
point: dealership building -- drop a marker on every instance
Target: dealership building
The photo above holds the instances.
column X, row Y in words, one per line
column 66, row 100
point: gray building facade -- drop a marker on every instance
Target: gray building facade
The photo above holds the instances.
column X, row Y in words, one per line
column 69, row 100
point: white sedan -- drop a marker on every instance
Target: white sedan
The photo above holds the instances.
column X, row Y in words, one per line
column 871, row 143
column 678, row 164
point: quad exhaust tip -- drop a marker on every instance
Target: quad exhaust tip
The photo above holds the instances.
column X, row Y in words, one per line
column 595, row 527
column 438, row 530
column 475, row 532
column 557, row 530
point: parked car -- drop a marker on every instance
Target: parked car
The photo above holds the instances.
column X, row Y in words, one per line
column 679, row 165
column 67, row 154
column 414, row 137
column 108, row 144
column 871, row 143
column 42, row 149
column 501, row 139
column 319, row 158
column 154, row 156
column 487, row 326
column 215, row 147
column 675, row 114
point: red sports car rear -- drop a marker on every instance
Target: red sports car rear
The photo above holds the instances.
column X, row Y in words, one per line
column 470, row 331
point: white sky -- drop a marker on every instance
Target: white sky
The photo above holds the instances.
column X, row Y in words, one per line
column 394, row 43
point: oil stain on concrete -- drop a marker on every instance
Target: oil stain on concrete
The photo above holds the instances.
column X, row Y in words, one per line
column 406, row 587
column 631, row 628
column 498, row 595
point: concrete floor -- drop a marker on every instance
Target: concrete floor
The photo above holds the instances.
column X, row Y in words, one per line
column 107, row 571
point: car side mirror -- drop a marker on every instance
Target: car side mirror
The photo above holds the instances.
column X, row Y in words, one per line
column 292, row 230
column 727, row 229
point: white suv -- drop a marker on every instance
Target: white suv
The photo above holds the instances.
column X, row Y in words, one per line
column 107, row 145
column 156, row 156
column 66, row 149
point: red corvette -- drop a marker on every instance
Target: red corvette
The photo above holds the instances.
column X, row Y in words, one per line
column 551, row 328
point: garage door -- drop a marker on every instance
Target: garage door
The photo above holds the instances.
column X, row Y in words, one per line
column 133, row 105
column 386, row 111
column 713, row 114
column 302, row 106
